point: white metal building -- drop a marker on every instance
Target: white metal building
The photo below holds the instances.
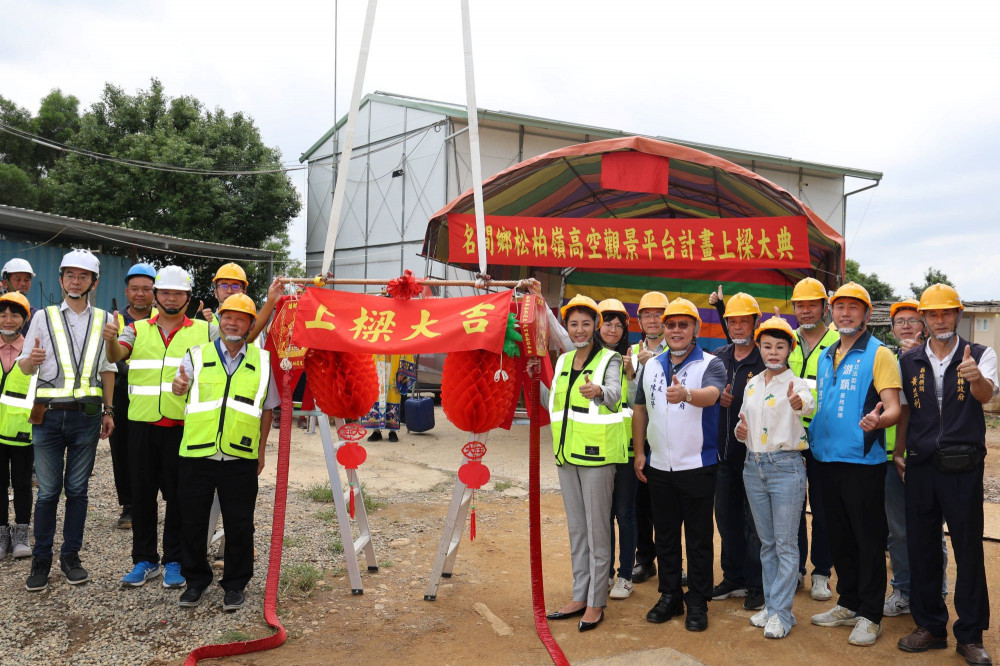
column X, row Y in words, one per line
column 411, row 157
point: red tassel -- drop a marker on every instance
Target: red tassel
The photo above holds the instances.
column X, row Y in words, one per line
column 352, row 501
column 472, row 524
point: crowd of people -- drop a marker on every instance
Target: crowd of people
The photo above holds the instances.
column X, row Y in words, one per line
column 888, row 444
column 179, row 398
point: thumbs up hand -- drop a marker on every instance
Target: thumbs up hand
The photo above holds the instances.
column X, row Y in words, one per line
column 110, row 330
column 676, row 392
column 741, row 429
column 715, row 296
column 37, row 355
column 794, row 399
column 968, row 369
column 871, row 419
column 590, row 390
column 181, row 382
column 206, row 313
column 726, row 399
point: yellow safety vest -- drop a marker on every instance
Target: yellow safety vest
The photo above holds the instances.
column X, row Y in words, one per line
column 121, row 320
column 806, row 368
column 584, row 433
column 17, row 395
column 76, row 378
column 223, row 411
column 152, row 368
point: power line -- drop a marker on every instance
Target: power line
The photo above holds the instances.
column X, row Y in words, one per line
column 141, row 164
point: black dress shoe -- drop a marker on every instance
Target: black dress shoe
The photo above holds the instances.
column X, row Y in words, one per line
column 587, row 626
column 643, row 572
column 558, row 615
column 667, row 607
column 376, row 436
column 697, row 618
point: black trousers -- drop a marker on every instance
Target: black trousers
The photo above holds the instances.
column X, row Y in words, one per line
column 645, row 551
column 236, row 483
column 684, row 498
column 958, row 498
column 152, row 455
column 15, row 470
column 854, row 499
column 740, row 556
column 820, row 554
column 119, row 442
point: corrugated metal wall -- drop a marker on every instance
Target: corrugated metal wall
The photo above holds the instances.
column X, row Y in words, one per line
column 45, row 260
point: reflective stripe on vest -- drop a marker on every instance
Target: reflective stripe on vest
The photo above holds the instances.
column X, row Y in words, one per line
column 68, row 383
column 17, row 395
column 220, row 415
column 583, row 432
column 152, row 368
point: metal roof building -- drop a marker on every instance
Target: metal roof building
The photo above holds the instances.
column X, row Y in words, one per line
column 411, row 157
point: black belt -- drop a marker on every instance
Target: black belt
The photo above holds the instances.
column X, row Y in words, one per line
column 67, row 406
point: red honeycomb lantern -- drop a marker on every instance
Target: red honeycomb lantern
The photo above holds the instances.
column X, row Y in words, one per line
column 344, row 384
column 477, row 389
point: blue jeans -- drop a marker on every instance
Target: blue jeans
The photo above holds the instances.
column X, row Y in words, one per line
column 740, row 557
column 776, row 488
column 65, row 445
column 895, row 514
column 623, row 508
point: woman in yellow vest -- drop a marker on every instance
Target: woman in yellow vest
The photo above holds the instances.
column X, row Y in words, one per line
column 396, row 376
column 17, row 393
column 230, row 394
column 588, row 440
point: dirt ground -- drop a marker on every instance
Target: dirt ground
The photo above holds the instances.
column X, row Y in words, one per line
column 391, row 623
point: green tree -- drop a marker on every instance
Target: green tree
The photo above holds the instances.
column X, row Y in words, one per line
column 931, row 277
column 245, row 209
column 284, row 265
column 877, row 289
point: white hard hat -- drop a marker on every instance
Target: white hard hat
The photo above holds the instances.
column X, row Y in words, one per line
column 81, row 259
column 17, row 266
column 172, row 277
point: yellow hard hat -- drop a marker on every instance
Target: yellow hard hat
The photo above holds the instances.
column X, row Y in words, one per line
column 239, row 303
column 908, row 304
column 681, row 306
column 740, row 305
column 581, row 301
column 612, row 305
column 20, row 299
column 852, row 290
column 775, row 324
column 653, row 300
column 809, row 289
column 231, row 271
column 940, row 297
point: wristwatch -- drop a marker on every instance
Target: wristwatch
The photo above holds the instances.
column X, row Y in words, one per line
column 687, row 398
column 109, row 410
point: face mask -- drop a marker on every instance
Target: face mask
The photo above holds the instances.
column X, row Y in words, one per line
column 678, row 353
column 140, row 308
column 848, row 331
column 581, row 345
column 774, row 366
column 234, row 338
column 809, row 327
column 945, row 337
column 75, row 297
column 742, row 342
column 8, row 333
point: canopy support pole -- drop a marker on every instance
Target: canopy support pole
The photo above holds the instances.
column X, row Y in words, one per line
column 477, row 168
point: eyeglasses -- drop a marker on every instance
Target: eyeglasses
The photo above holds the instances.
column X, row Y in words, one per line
column 235, row 288
column 908, row 322
column 76, row 277
column 649, row 316
column 614, row 326
column 679, row 325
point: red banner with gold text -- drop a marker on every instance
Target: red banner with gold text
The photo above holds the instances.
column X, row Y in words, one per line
column 633, row 244
column 345, row 321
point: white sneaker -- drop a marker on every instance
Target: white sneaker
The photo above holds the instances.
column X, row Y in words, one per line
column 896, row 604
column 759, row 619
column 865, row 632
column 774, row 628
column 821, row 588
column 621, row 590
column 838, row 616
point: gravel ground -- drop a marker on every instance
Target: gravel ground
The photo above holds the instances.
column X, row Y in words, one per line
column 101, row 622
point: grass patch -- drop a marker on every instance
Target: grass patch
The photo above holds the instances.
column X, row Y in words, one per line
column 319, row 492
column 299, row 578
column 386, row 564
column 992, row 421
column 234, row 636
column 501, row 486
column 328, row 516
column 292, row 541
column 372, row 503
column 336, row 546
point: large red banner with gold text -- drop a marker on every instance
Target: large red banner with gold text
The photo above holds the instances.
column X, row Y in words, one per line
column 344, row 321
column 633, row 244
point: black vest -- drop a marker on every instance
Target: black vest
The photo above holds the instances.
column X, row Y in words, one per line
column 960, row 419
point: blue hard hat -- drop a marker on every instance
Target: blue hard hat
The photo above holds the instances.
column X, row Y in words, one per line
column 145, row 270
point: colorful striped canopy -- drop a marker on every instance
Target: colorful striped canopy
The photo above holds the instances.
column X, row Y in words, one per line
column 566, row 183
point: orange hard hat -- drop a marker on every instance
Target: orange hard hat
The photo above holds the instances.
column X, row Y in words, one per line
column 741, row 304
column 773, row 325
column 681, row 306
column 940, row 297
column 809, row 289
column 612, row 305
column 653, row 300
column 908, row 304
column 852, row 290
column 231, row 271
column 239, row 303
column 20, row 299
column 581, row 301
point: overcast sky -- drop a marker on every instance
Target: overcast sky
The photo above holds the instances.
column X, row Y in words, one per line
column 886, row 86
